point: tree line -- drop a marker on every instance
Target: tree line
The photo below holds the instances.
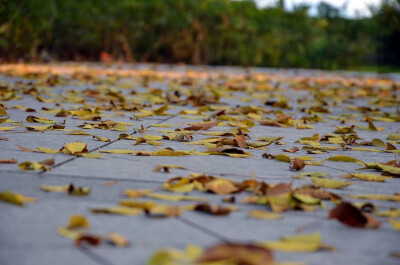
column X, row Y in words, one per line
column 214, row 32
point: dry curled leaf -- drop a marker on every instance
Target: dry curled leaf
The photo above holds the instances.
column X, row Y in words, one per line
column 212, row 209
column 246, row 254
column 91, row 240
column 350, row 215
column 292, row 150
column 297, row 164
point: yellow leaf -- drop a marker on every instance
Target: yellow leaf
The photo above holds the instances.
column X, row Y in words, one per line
column 74, row 148
column 78, row 133
column 341, row 158
column 117, row 240
column 395, row 224
column 47, row 150
column 77, row 221
column 383, row 197
column 378, row 143
column 221, row 186
column 366, row 177
column 136, row 193
column 298, row 243
column 7, row 128
column 180, row 187
column 137, row 204
column 119, row 127
column 330, row 183
column 164, row 210
column 265, row 215
column 283, row 158
column 169, row 152
column 91, row 155
column 103, row 139
column 40, row 120
column 54, row 188
column 313, row 174
column 175, row 198
column 28, row 165
column 117, row 210
column 15, row 198
column 392, row 213
column 68, row 233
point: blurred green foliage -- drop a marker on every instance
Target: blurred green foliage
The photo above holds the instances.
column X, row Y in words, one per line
column 213, row 32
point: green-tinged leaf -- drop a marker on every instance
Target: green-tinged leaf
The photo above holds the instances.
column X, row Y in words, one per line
column 330, row 183
column 15, row 198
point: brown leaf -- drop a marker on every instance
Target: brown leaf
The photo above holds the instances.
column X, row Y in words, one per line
column 228, row 150
column 244, row 254
column 279, row 189
column 200, row 126
column 221, row 186
column 8, row 161
column 389, row 146
column 240, row 141
column 350, row 215
column 298, row 164
column 212, row 209
column 291, row 150
column 92, row 240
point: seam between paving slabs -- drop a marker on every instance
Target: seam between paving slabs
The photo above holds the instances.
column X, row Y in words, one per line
column 203, row 229
column 104, row 145
column 95, row 257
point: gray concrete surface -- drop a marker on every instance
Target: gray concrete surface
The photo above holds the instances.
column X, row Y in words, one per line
column 28, row 234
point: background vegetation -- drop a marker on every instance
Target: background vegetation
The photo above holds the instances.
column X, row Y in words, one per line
column 216, row 32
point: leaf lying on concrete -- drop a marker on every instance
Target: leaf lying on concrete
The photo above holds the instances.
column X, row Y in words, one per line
column 15, row 198
column 350, row 215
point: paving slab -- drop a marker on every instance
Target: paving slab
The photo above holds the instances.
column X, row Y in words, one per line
column 28, row 235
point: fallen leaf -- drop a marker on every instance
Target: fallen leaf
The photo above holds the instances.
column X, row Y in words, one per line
column 392, row 213
column 212, row 209
column 395, row 224
column 366, row 177
column 298, row 243
column 88, row 239
column 200, row 126
column 163, row 210
column 298, row 164
column 15, row 198
column 341, row 158
column 116, row 210
column 165, row 167
column 264, row 215
column 40, row 120
column 136, row 193
column 330, row 183
column 77, row 221
column 102, row 139
column 350, row 215
column 221, row 186
column 246, row 254
column 74, row 148
column 117, row 240
column 8, row 161
column 292, row 150
column 175, row 198
column 383, row 197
